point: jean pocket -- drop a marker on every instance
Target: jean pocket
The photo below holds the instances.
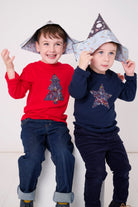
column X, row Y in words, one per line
column 23, row 122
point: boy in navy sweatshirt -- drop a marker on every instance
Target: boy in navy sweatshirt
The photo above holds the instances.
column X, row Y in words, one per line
column 96, row 88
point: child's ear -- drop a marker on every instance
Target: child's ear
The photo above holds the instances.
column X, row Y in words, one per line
column 64, row 47
column 37, row 46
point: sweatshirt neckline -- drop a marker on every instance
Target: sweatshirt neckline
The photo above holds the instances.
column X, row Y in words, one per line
column 48, row 64
column 98, row 74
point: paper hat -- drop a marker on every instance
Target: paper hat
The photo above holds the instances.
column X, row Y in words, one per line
column 29, row 44
column 100, row 34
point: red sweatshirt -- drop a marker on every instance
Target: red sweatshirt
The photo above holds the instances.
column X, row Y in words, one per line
column 47, row 85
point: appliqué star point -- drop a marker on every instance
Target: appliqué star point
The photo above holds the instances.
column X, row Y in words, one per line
column 101, row 97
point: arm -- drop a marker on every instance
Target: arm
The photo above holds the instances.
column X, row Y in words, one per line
column 78, row 85
column 16, row 87
column 129, row 87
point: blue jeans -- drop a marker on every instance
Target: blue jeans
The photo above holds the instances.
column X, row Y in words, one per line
column 96, row 149
column 37, row 136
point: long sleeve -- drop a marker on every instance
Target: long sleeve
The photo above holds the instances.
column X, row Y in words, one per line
column 78, row 85
column 129, row 88
column 17, row 88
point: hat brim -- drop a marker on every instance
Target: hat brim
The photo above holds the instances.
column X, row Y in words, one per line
column 30, row 44
column 94, row 42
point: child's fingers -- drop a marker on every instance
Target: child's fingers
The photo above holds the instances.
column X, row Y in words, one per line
column 86, row 53
column 7, row 59
column 3, row 53
column 12, row 58
column 130, row 62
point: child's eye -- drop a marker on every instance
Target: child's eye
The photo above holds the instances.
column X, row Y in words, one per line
column 101, row 52
column 46, row 43
column 112, row 53
column 58, row 44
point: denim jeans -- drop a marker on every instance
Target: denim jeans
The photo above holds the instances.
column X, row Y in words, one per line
column 96, row 149
column 37, row 136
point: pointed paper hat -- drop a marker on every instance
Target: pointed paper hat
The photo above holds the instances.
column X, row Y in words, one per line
column 100, row 34
column 29, row 44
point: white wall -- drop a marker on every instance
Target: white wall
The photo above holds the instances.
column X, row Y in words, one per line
column 18, row 20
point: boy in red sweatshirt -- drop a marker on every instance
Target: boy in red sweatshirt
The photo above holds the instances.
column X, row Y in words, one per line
column 44, row 122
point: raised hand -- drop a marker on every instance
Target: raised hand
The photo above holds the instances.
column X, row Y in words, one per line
column 85, row 58
column 8, row 63
column 129, row 67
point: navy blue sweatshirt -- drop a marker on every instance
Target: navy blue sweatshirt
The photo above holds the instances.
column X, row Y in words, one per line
column 95, row 95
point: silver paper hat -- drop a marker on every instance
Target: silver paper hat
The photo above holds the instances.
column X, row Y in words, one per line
column 100, row 34
column 29, row 44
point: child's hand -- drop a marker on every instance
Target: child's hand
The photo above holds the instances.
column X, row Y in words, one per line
column 9, row 63
column 129, row 67
column 7, row 60
column 121, row 76
column 85, row 58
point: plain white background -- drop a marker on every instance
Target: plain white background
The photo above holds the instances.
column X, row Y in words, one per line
column 18, row 21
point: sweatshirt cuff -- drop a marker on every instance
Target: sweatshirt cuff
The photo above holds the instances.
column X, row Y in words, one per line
column 82, row 72
column 130, row 77
column 7, row 79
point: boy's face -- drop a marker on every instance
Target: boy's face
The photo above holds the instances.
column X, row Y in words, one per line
column 50, row 49
column 103, row 57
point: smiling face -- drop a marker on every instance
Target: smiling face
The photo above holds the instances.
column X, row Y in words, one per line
column 103, row 57
column 50, row 48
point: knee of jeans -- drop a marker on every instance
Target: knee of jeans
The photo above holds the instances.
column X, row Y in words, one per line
column 31, row 158
column 63, row 148
column 99, row 174
column 62, row 155
column 123, row 172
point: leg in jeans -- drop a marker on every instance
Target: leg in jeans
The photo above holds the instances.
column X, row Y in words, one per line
column 118, row 161
column 61, row 148
column 93, row 153
column 36, row 136
column 30, row 164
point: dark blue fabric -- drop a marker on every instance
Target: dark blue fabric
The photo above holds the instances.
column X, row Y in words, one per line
column 37, row 135
column 100, row 117
column 97, row 149
column 96, row 131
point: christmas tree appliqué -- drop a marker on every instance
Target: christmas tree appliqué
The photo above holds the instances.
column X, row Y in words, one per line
column 54, row 88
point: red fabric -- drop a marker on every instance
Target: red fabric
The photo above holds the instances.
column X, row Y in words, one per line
column 36, row 78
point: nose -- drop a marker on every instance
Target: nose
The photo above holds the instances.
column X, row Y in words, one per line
column 106, row 57
column 51, row 48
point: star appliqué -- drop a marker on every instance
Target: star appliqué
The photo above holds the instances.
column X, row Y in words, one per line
column 101, row 97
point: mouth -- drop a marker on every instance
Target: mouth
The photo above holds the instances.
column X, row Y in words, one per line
column 51, row 56
column 105, row 66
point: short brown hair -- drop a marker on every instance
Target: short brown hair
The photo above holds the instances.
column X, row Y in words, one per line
column 51, row 30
